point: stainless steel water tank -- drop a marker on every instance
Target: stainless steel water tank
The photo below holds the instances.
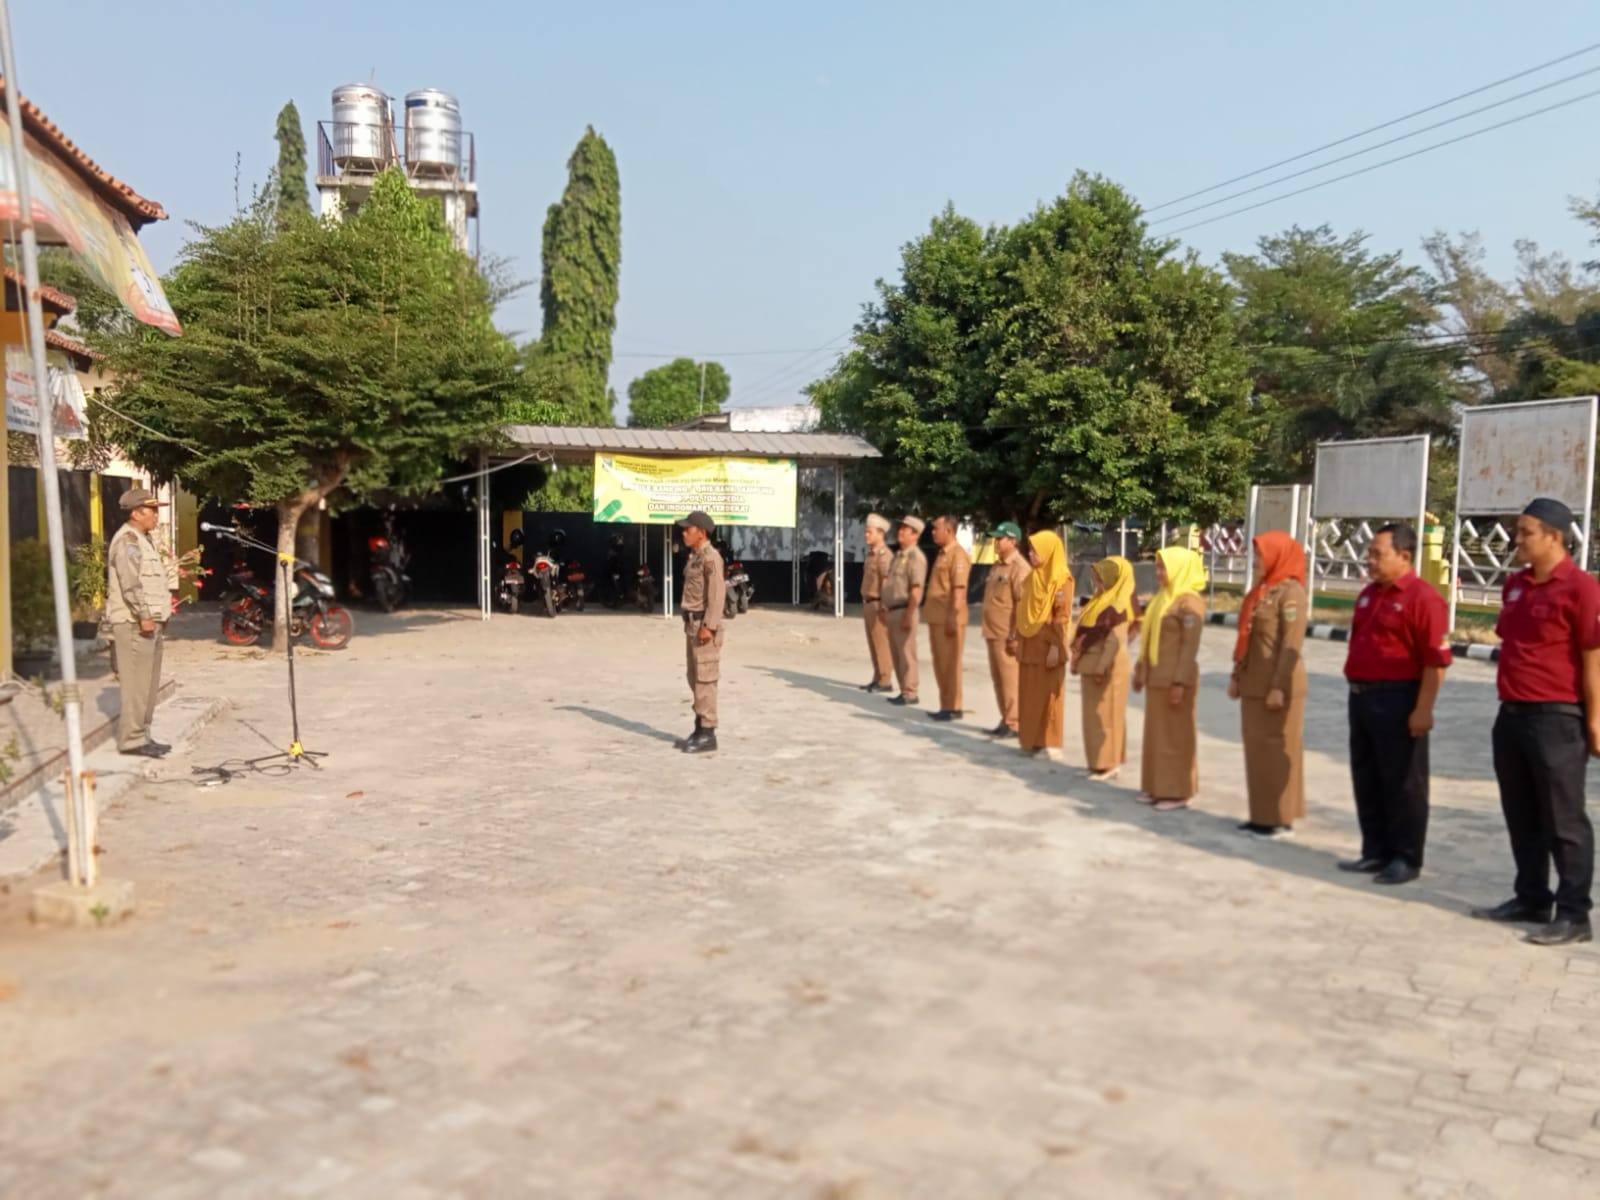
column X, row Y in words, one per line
column 433, row 133
column 363, row 128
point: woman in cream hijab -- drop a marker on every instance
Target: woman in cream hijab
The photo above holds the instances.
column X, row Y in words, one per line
column 1044, row 620
column 1169, row 673
column 1100, row 660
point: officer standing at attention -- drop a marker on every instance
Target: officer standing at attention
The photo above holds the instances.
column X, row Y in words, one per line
column 137, row 607
column 1549, row 725
column 1007, row 581
column 1399, row 650
column 902, row 594
column 873, row 576
column 704, row 592
column 945, row 611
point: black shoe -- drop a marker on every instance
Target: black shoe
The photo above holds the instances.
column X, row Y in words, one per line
column 873, row 688
column 1253, row 827
column 703, row 742
column 1516, row 912
column 1563, row 931
column 1004, row 732
column 1397, row 872
column 902, row 701
column 1363, row 866
column 944, row 714
column 161, row 746
column 148, row 750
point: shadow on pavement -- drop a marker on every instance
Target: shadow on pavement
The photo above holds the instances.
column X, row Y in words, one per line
column 638, row 728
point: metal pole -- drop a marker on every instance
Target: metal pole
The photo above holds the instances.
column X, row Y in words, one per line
column 702, row 404
column 485, row 588
column 794, row 581
column 838, row 540
column 666, row 571
column 71, row 711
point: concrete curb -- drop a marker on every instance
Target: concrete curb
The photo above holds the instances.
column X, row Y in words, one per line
column 93, row 738
column 32, row 833
column 1341, row 633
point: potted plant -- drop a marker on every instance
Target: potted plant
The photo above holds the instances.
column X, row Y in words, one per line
column 86, row 584
column 32, row 608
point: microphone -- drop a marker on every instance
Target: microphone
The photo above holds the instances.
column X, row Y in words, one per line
column 207, row 527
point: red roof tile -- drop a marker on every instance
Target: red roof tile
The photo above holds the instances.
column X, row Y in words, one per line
column 57, row 302
column 60, row 341
column 119, row 195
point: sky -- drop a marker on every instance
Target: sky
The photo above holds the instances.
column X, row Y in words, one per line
column 775, row 157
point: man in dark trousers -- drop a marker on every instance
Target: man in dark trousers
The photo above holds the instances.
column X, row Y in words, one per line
column 1399, row 649
column 1549, row 725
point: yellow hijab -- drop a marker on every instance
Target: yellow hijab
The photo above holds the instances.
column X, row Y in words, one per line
column 1048, row 578
column 1116, row 581
column 1186, row 575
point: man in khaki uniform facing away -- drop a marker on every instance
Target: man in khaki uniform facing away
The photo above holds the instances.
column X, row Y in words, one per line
column 902, row 594
column 137, row 607
column 704, row 592
column 873, row 577
column 1002, row 592
column 945, row 611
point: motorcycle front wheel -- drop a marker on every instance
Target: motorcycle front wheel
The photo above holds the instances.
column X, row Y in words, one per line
column 647, row 598
column 744, row 600
column 578, row 599
column 332, row 627
column 388, row 593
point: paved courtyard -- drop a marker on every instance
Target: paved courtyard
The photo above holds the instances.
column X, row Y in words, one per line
column 509, row 943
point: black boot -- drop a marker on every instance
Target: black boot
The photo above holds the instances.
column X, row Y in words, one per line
column 683, row 743
column 703, row 742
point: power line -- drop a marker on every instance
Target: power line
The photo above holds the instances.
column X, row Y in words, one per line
column 1472, row 112
column 795, row 368
column 1388, row 162
column 1379, row 127
column 715, row 354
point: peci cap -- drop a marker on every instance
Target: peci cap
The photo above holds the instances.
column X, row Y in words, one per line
column 139, row 498
column 1552, row 512
column 915, row 524
column 699, row 520
column 1007, row 529
column 880, row 523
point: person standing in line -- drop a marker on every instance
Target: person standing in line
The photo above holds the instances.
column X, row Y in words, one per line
column 1003, row 592
column 902, row 595
column 1269, row 681
column 138, row 605
column 873, row 576
column 945, row 612
column 1548, row 727
column 1100, row 660
column 1044, row 626
column 704, row 593
column 1399, row 652
column 1169, row 668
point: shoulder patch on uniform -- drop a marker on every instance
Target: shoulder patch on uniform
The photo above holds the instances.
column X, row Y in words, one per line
column 131, row 548
column 1291, row 611
column 1188, row 620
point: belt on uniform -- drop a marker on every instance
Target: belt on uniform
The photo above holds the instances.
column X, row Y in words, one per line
column 1548, row 708
column 1359, row 688
column 892, row 607
column 694, row 614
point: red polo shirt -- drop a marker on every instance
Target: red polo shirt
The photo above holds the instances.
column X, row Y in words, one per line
column 1544, row 629
column 1398, row 630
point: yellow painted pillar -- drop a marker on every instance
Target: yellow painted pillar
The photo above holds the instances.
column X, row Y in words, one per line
column 1435, row 569
column 186, row 521
column 508, row 522
column 97, row 511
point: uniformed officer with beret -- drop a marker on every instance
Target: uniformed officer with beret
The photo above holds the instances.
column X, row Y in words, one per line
column 902, row 600
column 704, row 592
column 874, row 574
column 138, row 604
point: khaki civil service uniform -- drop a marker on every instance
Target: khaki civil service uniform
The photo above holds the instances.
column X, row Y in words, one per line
column 908, row 570
column 1002, row 592
column 136, row 590
column 1041, row 689
column 947, row 590
column 1274, row 741
column 873, row 577
column 1104, row 674
column 704, row 593
column 1170, row 768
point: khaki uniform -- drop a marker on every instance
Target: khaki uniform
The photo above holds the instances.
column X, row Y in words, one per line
column 947, row 590
column 1273, row 741
column 873, row 578
column 1104, row 674
column 1170, row 769
column 1002, row 592
column 136, row 590
column 908, row 570
column 704, row 592
column 1041, row 689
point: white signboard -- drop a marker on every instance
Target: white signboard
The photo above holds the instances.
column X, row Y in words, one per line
column 1377, row 477
column 1284, row 509
column 1511, row 453
column 22, row 401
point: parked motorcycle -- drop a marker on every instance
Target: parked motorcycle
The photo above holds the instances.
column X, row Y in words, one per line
column 819, row 564
column 543, row 575
column 739, row 590
column 387, row 561
column 622, row 584
column 510, row 583
column 573, row 588
column 247, row 608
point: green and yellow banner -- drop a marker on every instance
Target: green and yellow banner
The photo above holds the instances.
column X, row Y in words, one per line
column 658, row 491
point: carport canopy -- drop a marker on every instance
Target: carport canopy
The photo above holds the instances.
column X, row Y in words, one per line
column 573, row 445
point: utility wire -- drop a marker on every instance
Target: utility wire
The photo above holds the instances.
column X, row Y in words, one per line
column 1378, row 128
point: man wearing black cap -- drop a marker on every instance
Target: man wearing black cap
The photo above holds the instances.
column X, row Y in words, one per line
column 703, row 596
column 1548, row 726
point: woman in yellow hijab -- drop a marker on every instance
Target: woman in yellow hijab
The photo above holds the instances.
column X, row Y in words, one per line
column 1044, row 619
column 1100, row 660
column 1169, row 669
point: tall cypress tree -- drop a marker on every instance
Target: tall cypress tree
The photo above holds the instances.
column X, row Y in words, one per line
column 578, row 287
column 290, row 179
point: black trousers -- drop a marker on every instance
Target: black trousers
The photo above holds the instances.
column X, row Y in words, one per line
column 1389, row 771
column 1540, row 755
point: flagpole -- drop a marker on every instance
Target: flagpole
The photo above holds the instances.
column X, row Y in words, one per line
column 80, row 851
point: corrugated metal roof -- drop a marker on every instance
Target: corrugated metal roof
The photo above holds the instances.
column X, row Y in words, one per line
column 573, row 442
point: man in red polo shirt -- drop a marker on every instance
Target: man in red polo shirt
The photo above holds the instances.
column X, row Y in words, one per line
column 1549, row 725
column 1399, row 649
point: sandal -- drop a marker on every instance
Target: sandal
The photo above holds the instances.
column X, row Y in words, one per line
column 1171, row 805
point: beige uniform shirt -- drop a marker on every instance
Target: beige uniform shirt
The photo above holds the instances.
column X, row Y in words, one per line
column 1002, row 592
column 876, row 572
column 947, row 583
column 1277, row 637
column 136, row 579
column 908, row 570
column 704, row 588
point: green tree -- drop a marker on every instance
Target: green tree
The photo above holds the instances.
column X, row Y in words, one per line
column 319, row 360
column 289, row 180
column 1070, row 365
column 1342, row 346
column 672, row 394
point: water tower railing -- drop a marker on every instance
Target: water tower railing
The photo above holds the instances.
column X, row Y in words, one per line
column 328, row 131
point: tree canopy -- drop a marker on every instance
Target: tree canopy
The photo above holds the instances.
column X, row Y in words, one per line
column 671, row 394
column 289, row 180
